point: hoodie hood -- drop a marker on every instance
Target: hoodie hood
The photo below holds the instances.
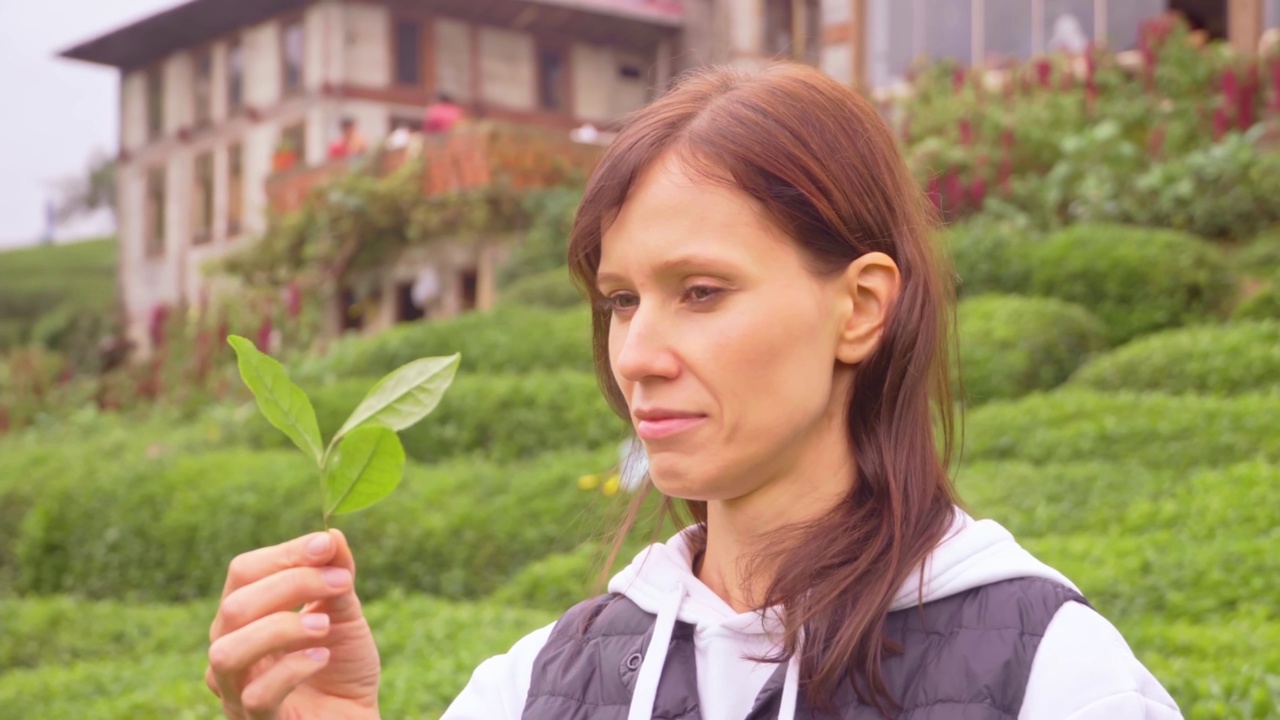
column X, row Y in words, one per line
column 660, row 580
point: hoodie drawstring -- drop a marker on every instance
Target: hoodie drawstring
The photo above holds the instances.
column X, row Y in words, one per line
column 790, row 688
column 655, row 656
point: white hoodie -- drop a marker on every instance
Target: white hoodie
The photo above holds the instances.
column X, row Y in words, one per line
column 1083, row 669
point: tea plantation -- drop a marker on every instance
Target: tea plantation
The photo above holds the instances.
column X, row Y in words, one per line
column 1127, row 432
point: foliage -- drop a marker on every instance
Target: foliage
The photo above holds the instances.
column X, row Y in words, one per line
column 144, row 527
column 145, row 662
column 504, row 340
column 546, row 243
column 1216, row 360
column 1012, row 345
column 552, row 289
column 990, row 255
column 1262, row 305
column 498, row 417
column 1159, row 431
column 60, row 296
column 1261, row 256
column 1065, row 139
column 1136, row 280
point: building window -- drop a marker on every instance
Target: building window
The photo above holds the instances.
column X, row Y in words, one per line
column 551, row 80
column 291, row 46
column 408, row 52
column 406, row 309
column 235, row 189
column 235, row 77
column 469, row 279
column 154, row 240
column 202, row 202
column 155, row 103
column 203, row 89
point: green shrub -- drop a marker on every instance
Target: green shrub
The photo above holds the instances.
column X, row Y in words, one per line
column 165, row 528
column 37, row 297
column 548, row 289
column 1218, row 360
column 505, row 340
column 1261, row 257
column 990, row 256
column 429, row 649
column 499, row 417
column 1136, row 280
column 546, row 244
column 1011, row 345
column 1160, row 431
column 1262, row 305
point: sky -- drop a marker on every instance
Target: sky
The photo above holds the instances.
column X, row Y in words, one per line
column 56, row 113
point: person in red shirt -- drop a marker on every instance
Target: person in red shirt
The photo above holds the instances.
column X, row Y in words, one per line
column 349, row 143
column 442, row 115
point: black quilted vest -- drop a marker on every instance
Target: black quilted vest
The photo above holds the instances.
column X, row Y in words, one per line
column 965, row 656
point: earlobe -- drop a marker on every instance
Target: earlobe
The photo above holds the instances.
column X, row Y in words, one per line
column 872, row 282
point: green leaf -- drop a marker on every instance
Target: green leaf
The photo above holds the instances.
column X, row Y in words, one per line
column 405, row 396
column 365, row 468
column 281, row 402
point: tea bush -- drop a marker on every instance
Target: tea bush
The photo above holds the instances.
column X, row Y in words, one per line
column 1136, row 280
column 1159, row 431
column 552, row 289
column 991, row 256
column 499, row 417
column 1011, row 345
column 1262, row 305
column 165, row 528
column 1217, row 360
column 507, row 339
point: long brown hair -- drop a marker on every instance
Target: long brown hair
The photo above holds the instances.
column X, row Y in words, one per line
column 822, row 162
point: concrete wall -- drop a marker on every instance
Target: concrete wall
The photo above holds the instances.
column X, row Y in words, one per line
column 262, row 64
column 507, row 75
column 453, row 58
column 133, row 111
column 366, row 46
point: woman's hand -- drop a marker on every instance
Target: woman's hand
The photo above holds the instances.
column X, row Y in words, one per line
column 269, row 662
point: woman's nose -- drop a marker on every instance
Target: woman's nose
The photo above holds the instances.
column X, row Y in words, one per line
column 645, row 350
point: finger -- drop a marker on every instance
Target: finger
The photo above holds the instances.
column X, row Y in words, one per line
column 309, row 550
column 285, row 590
column 234, row 654
column 346, row 606
column 265, row 694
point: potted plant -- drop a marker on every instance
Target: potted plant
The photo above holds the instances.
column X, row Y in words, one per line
column 286, row 155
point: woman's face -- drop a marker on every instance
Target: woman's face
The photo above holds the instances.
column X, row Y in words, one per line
column 723, row 342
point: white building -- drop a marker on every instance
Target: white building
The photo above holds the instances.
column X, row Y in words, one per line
column 210, row 88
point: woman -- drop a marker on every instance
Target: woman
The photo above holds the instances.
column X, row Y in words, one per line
column 772, row 321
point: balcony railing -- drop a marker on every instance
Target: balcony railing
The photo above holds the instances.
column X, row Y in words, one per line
column 469, row 158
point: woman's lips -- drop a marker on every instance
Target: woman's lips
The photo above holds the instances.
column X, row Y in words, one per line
column 659, row 428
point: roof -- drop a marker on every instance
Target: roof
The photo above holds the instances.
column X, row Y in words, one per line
column 198, row 21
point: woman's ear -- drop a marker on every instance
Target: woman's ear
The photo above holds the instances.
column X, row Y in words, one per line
column 872, row 283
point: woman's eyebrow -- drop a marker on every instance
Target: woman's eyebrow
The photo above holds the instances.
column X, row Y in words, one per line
column 677, row 265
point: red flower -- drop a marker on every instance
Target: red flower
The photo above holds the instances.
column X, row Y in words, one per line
column 978, row 190
column 957, row 79
column 966, row 132
column 1044, row 72
column 264, row 333
column 156, row 327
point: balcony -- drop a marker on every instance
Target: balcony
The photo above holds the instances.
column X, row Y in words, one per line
column 471, row 158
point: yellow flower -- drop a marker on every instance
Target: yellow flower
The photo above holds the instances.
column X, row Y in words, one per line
column 611, row 485
column 588, row 482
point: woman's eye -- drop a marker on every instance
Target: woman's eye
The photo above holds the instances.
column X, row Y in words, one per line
column 619, row 302
column 701, row 293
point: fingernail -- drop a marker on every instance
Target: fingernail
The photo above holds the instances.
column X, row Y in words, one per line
column 336, row 577
column 315, row 621
column 318, row 654
column 318, row 545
